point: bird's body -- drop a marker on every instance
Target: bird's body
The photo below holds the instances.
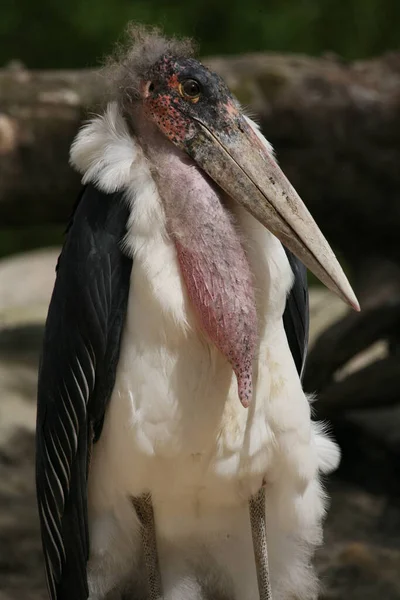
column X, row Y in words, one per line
column 169, row 303
column 200, row 459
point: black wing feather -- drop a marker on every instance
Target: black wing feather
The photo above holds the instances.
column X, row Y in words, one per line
column 296, row 318
column 76, row 378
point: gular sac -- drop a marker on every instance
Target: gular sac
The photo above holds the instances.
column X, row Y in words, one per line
column 220, row 286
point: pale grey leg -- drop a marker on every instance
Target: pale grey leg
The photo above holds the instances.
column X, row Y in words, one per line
column 259, row 535
column 144, row 509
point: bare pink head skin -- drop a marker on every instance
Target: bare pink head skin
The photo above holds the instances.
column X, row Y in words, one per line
column 204, row 155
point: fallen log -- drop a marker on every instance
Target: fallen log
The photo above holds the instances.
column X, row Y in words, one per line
column 335, row 126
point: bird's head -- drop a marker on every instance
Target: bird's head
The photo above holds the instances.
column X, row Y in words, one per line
column 162, row 84
column 182, row 95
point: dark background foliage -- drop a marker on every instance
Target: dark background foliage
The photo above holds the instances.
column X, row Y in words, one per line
column 78, row 33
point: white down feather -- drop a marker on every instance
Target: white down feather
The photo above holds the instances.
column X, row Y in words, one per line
column 175, row 426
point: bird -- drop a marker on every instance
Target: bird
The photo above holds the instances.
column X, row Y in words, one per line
column 176, row 454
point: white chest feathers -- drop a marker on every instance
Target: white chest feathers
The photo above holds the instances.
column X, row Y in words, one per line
column 175, row 426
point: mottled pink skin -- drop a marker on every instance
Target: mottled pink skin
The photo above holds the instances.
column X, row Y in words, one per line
column 212, row 260
column 223, row 299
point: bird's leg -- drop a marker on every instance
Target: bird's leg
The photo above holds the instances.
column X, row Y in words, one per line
column 259, row 535
column 144, row 510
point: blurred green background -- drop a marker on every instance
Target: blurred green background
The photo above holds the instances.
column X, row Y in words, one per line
column 78, row 33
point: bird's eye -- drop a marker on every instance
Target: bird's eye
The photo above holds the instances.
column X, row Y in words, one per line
column 190, row 89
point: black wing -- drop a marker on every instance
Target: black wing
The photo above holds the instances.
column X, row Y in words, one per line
column 76, row 378
column 296, row 318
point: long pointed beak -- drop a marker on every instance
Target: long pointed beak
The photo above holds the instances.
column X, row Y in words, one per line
column 239, row 162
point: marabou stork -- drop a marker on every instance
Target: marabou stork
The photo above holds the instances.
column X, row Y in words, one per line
column 172, row 424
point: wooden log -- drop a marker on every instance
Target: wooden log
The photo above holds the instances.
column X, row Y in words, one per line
column 335, row 126
column 345, row 339
column 376, row 386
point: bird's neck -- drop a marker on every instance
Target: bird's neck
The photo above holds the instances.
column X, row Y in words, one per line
column 211, row 257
